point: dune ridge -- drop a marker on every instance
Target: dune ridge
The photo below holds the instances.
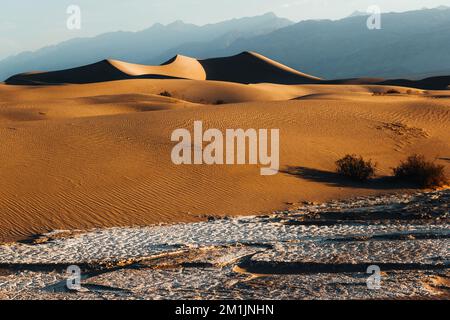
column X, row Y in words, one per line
column 112, row 70
column 247, row 67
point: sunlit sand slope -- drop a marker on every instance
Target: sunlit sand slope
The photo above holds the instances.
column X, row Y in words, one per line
column 94, row 155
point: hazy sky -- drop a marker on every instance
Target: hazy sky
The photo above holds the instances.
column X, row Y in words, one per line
column 31, row 24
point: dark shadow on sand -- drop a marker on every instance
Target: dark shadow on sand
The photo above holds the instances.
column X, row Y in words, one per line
column 336, row 180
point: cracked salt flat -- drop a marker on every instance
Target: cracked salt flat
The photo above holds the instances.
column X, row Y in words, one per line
column 209, row 283
column 200, row 260
column 407, row 252
column 126, row 243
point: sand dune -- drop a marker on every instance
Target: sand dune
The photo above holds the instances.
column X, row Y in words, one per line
column 247, row 67
column 251, row 67
column 94, row 150
column 92, row 155
column 109, row 70
column 96, row 72
column 27, row 103
column 433, row 83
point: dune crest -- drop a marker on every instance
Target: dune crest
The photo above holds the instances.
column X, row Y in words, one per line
column 177, row 67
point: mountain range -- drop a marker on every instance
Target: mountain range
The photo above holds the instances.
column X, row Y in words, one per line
column 409, row 45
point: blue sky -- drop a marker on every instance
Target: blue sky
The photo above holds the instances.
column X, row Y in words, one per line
column 31, row 24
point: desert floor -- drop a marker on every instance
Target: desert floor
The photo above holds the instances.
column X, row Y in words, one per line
column 314, row 251
column 96, row 155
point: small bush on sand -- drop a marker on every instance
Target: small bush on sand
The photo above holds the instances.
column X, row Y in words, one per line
column 425, row 174
column 165, row 94
column 389, row 91
column 356, row 168
column 392, row 91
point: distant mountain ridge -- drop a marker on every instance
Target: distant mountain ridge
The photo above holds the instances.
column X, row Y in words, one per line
column 139, row 47
column 410, row 44
column 415, row 42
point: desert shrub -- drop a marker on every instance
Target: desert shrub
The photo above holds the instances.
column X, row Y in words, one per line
column 382, row 93
column 165, row 94
column 355, row 168
column 425, row 174
column 392, row 91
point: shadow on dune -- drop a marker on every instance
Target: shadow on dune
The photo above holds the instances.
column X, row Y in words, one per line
column 431, row 83
column 251, row 67
column 312, row 96
column 336, row 180
column 97, row 72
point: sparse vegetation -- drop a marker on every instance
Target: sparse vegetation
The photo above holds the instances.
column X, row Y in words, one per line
column 389, row 91
column 425, row 174
column 165, row 94
column 392, row 91
column 356, row 168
